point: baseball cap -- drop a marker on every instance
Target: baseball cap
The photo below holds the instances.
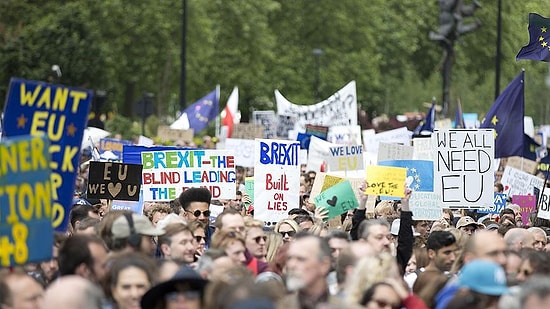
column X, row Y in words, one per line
column 142, row 225
column 484, row 277
column 466, row 220
column 394, row 230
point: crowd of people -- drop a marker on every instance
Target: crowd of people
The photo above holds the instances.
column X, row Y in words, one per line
column 177, row 255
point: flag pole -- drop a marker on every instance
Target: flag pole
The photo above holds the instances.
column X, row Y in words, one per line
column 218, row 128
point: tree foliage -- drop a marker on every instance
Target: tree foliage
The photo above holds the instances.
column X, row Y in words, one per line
column 131, row 47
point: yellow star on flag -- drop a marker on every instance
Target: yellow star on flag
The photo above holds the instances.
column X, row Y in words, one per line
column 494, row 120
column 541, row 38
column 543, row 29
column 71, row 130
column 544, row 44
column 21, row 121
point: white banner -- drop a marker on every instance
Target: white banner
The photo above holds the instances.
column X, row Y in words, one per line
column 348, row 135
column 423, row 149
column 394, row 152
column 243, row 150
column 276, row 179
column 464, row 167
column 517, row 182
column 339, row 109
column 167, row 173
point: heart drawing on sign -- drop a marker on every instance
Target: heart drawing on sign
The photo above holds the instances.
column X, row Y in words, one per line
column 114, row 189
column 332, row 202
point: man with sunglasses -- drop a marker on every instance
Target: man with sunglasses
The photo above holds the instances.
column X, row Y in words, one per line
column 196, row 207
column 255, row 243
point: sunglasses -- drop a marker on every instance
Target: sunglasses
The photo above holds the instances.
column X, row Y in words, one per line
column 199, row 238
column 257, row 239
column 197, row 213
column 289, row 233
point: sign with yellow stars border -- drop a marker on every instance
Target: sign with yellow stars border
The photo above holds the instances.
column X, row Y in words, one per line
column 60, row 113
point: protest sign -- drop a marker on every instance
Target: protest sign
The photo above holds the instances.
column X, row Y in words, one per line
column 527, row 204
column 371, row 139
column 243, row 150
column 516, row 182
column 337, row 199
column 114, row 181
column 268, row 121
column 544, row 206
column 145, row 141
column 319, row 131
column 61, row 113
column 426, row 206
column 464, row 167
column 420, row 173
column 330, row 181
column 247, row 131
column 136, row 207
column 319, row 151
column 338, row 110
column 522, row 164
column 345, row 158
column 423, row 149
column 249, row 187
column 284, row 125
column 26, row 204
column 167, row 173
column 276, row 179
column 388, row 151
column 168, row 134
column 498, row 205
column 113, row 145
column 384, row 180
column 347, row 135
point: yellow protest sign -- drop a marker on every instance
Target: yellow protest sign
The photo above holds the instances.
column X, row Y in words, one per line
column 386, row 180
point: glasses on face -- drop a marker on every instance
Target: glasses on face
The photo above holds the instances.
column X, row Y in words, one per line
column 199, row 238
column 385, row 304
column 197, row 213
column 289, row 233
column 257, row 239
column 188, row 295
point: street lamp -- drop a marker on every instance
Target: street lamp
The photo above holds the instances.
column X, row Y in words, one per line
column 317, row 53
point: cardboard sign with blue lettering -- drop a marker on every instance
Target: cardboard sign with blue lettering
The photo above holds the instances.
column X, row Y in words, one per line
column 61, row 113
column 338, row 199
column 26, row 232
column 498, row 206
column 113, row 145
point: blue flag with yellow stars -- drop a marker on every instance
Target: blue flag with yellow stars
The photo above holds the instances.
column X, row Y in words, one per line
column 506, row 117
column 539, row 39
column 203, row 111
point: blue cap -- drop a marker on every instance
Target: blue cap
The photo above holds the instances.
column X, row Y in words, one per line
column 484, row 277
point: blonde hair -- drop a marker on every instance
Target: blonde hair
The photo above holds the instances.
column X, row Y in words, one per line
column 384, row 208
column 272, row 244
column 290, row 222
column 368, row 271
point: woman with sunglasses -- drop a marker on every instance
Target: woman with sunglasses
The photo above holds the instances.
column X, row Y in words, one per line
column 287, row 228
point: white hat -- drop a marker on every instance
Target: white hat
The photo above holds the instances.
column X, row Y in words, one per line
column 395, row 228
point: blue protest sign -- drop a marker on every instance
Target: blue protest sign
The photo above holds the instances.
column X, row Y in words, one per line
column 420, row 173
column 26, row 232
column 61, row 113
column 498, row 206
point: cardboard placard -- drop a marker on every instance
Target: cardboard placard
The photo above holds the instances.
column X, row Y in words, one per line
column 168, row 134
column 247, row 131
column 114, row 181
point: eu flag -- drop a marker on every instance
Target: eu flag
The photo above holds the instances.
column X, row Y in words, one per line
column 203, row 111
column 429, row 123
column 506, row 117
column 539, row 39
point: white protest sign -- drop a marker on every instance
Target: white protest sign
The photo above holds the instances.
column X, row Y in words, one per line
column 371, row 140
column 339, row 109
column 464, row 167
column 276, row 179
column 388, row 151
column 426, row 206
column 345, row 158
column 319, row 151
column 517, row 182
column 243, row 150
column 349, row 135
column 167, row 173
column 267, row 120
column 423, row 149
column 544, row 206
